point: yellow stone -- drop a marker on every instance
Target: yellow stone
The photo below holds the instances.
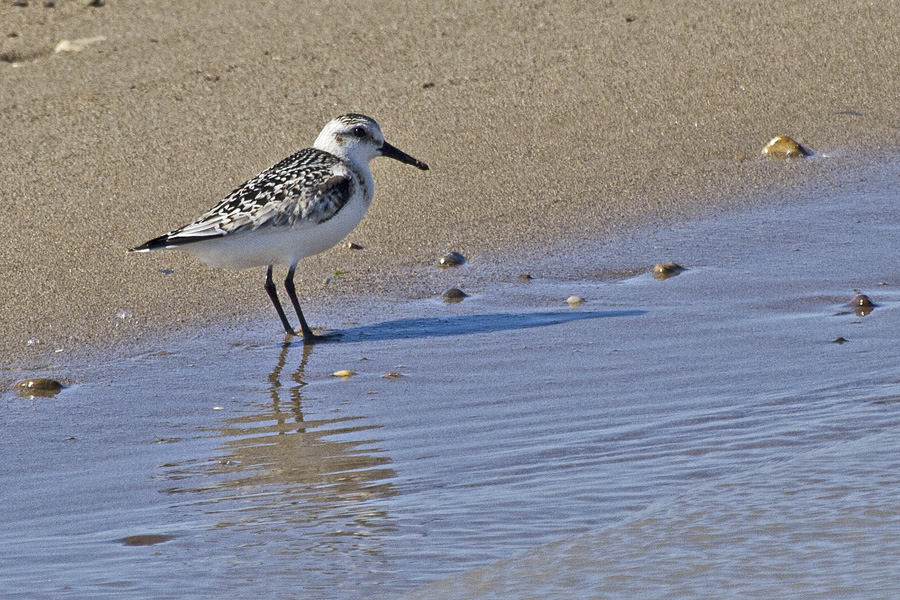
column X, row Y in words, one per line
column 38, row 386
column 666, row 270
column 781, row 146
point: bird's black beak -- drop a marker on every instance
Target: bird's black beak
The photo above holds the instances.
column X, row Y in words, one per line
column 391, row 152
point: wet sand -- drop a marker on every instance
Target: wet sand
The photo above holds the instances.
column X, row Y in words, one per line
column 541, row 123
column 697, row 437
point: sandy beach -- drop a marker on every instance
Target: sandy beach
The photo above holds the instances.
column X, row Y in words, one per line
column 541, row 122
column 729, row 432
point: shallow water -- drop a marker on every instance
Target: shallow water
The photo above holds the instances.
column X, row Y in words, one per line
column 702, row 436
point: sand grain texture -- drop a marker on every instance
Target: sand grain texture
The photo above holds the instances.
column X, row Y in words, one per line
column 541, row 122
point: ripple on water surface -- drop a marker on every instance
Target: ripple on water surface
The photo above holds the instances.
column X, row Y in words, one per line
column 701, row 436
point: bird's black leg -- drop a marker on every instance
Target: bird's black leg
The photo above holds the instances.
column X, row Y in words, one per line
column 273, row 295
column 308, row 335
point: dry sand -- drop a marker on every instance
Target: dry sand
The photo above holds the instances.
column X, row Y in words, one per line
column 541, row 122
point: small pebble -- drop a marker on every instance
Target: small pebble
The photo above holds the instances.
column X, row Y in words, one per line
column 344, row 373
column 525, row 277
column 839, row 341
column 862, row 305
column 451, row 259
column 146, row 539
column 863, row 301
column 353, row 246
column 393, row 375
column 666, row 270
column 77, row 45
column 781, row 146
column 39, row 386
column 575, row 301
column 454, row 295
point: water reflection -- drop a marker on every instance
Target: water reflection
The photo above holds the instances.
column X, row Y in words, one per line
column 281, row 466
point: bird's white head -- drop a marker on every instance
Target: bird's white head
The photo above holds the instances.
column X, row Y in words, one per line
column 358, row 139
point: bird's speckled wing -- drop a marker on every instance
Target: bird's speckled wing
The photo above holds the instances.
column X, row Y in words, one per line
column 304, row 189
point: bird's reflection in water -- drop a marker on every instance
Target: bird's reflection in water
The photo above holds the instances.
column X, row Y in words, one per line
column 284, row 468
column 293, row 409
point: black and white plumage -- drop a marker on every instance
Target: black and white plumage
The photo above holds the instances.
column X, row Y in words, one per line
column 299, row 207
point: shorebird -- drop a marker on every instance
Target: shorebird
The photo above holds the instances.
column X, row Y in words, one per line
column 298, row 207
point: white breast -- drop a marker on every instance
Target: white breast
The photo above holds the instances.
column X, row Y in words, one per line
column 282, row 245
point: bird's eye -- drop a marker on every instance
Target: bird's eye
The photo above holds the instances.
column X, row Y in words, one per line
column 359, row 132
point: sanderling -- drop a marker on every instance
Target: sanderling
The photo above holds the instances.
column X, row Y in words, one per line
column 300, row 206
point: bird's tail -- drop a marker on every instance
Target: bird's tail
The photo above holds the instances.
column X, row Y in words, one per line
column 160, row 243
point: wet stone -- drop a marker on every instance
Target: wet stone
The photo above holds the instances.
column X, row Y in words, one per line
column 781, row 146
column 574, row 301
column 392, row 375
column 451, row 259
column 839, row 341
column 454, row 295
column 665, row 270
column 344, row 374
column 862, row 305
column 863, row 301
column 39, row 386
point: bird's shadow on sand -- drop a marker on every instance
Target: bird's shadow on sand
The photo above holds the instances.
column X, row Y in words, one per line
column 428, row 327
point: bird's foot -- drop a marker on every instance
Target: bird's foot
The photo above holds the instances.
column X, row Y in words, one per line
column 315, row 338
